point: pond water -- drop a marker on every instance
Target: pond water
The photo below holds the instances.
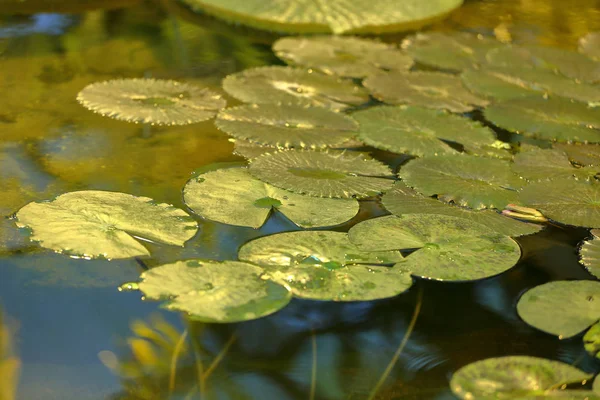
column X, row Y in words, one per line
column 78, row 337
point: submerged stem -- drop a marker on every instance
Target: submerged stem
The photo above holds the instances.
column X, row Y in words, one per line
column 313, row 377
column 394, row 359
column 219, row 357
column 174, row 358
column 199, row 368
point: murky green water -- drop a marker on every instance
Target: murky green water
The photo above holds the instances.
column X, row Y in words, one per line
column 67, row 315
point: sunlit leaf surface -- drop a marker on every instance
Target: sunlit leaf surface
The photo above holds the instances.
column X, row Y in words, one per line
column 591, row 340
column 590, row 45
column 547, row 164
column 581, row 154
column 589, row 253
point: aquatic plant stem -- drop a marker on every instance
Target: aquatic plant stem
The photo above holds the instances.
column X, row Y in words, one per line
column 199, row 369
column 174, row 358
column 219, row 357
column 394, row 359
column 313, row 377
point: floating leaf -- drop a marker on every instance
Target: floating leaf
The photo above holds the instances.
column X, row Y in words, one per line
column 589, row 253
column 276, row 85
column 561, row 308
column 418, row 131
column 215, row 291
column 151, row 101
column 326, row 266
column 450, row 51
column 471, row 181
column 566, row 201
column 337, row 16
column 569, row 63
column 518, row 377
column 553, row 118
column 233, row 196
column 498, row 149
column 323, row 174
column 344, row 56
column 94, row 223
column 591, row 340
column 250, row 150
column 404, row 200
column 581, row 154
column 511, row 82
column 426, row 89
column 590, row 45
column 547, row 164
column 287, row 125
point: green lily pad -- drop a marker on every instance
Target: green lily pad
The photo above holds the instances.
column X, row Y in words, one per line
column 323, row 174
column 277, row 85
column 471, row 181
column 93, row 223
column 498, row 149
column 250, row 150
column 511, row 82
column 426, row 89
column 418, row 131
column 566, row 201
column 326, row 266
column 449, row 51
column 232, row 196
column 337, row 16
column 449, row 248
column 590, row 45
column 344, row 56
column 548, row 164
column 591, row 340
column 553, row 118
column 404, row 200
column 287, row 125
column 581, row 154
column 151, row 101
column 561, row 308
column 215, row 291
column 569, row 63
column 589, row 253
column 517, row 377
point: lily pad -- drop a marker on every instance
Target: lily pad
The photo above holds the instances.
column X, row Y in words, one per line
column 590, row 45
column 426, row 89
column 215, row 291
column 92, row 224
column 418, row 131
column 589, row 253
column 449, row 248
column 449, row 51
column 323, row 174
column 287, row 126
column 566, row 201
column 344, row 56
column 547, row 164
column 326, row 266
column 553, row 118
column 569, row 63
column 561, row 308
column 517, row 377
column 403, row 200
column 250, row 150
column 232, row 196
column 591, row 340
column 337, row 16
column 511, row 82
column 471, row 181
column 277, row 85
column 151, row 101
column 581, row 154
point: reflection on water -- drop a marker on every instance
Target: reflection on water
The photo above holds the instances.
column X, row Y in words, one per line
column 70, row 312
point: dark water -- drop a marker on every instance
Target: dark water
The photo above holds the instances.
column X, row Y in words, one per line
column 66, row 315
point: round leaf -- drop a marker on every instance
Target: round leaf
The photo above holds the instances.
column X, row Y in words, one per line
column 233, row 196
column 151, row 101
column 287, row 126
column 566, row 201
column 343, row 56
column 547, row 164
column 589, row 253
column 449, row 248
column 403, row 200
column 94, row 223
column 471, row 181
column 515, row 377
column 214, row 291
column 277, row 85
column 418, row 131
column 426, row 89
column 561, row 308
column 553, row 118
column 323, row 174
column 582, row 154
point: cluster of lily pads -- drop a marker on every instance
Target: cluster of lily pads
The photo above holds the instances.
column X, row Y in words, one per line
column 307, row 129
